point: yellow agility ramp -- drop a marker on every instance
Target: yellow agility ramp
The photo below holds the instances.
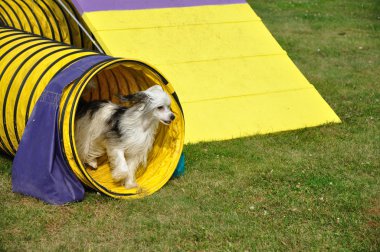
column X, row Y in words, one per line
column 231, row 75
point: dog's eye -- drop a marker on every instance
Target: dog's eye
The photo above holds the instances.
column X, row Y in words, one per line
column 160, row 107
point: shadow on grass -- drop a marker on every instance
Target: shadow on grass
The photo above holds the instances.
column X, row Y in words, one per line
column 5, row 163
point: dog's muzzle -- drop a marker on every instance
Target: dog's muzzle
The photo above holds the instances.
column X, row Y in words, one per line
column 172, row 117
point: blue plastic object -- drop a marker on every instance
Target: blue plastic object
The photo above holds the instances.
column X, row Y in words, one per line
column 180, row 170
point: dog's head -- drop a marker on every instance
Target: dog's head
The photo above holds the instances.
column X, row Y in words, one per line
column 153, row 100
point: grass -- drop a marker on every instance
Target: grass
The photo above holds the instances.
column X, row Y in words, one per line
column 313, row 189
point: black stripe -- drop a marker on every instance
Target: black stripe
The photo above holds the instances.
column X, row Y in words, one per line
column 72, row 10
column 10, row 85
column 175, row 96
column 2, row 22
column 4, row 148
column 47, row 20
column 35, row 18
column 55, row 19
column 97, row 89
column 14, row 13
column 109, row 87
column 26, row 16
column 126, row 82
column 8, row 30
column 6, row 13
column 117, row 84
column 92, row 90
column 100, row 90
column 65, row 15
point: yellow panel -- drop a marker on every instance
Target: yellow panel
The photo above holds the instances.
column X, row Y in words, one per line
column 150, row 18
column 257, row 114
column 168, row 45
column 217, row 79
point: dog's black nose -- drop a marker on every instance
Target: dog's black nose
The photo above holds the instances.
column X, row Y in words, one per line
column 172, row 117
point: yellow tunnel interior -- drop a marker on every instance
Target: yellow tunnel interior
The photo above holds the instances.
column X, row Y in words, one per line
column 124, row 77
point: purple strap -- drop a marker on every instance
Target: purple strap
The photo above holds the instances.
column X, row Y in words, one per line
column 39, row 167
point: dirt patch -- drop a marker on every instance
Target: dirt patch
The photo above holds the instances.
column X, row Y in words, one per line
column 375, row 209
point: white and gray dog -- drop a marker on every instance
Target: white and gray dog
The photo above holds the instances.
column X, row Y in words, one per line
column 125, row 134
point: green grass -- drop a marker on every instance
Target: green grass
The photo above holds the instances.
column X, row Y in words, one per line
column 313, row 189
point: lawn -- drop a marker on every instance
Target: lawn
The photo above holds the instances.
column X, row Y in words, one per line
column 313, row 189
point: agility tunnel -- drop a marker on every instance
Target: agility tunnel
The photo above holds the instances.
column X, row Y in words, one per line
column 48, row 18
column 41, row 83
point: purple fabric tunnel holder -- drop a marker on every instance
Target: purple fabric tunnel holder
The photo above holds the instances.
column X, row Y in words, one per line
column 40, row 168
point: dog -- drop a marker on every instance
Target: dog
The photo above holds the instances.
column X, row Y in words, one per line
column 125, row 134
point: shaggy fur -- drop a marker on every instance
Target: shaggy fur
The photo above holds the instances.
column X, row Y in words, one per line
column 125, row 134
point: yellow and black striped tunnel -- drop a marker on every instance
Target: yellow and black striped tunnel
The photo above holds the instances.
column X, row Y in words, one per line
column 47, row 18
column 29, row 62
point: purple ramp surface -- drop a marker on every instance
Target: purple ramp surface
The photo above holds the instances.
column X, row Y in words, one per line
column 104, row 5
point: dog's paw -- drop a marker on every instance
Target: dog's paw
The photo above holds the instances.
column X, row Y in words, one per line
column 119, row 174
column 130, row 185
column 93, row 164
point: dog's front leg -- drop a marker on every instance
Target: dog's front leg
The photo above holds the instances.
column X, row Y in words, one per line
column 118, row 164
column 130, row 182
column 93, row 163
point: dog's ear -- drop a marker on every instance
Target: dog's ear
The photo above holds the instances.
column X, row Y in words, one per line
column 124, row 98
column 137, row 98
